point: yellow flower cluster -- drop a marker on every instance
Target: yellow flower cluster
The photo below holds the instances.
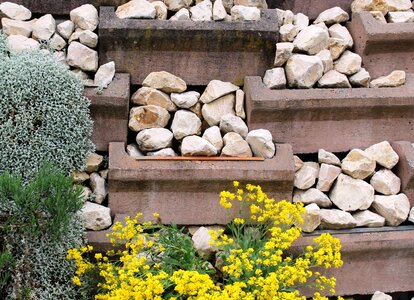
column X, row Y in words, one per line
column 255, row 265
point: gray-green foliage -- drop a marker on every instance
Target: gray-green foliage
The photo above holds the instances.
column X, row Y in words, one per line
column 43, row 115
column 38, row 224
column 3, row 46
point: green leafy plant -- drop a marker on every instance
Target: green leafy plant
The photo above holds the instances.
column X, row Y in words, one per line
column 44, row 115
column 38, row 224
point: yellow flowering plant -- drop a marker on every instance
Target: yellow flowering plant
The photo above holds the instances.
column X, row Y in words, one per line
column 155, row 261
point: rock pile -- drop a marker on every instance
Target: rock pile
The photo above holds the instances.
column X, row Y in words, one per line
column 361, row 190
column 169, row 120
column 386, row 11
column 320, row 55
column 181, row 10
column 72, row 41
column 93, row 182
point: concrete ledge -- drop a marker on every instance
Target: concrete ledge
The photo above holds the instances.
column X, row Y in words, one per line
column 195, row 51
column 333, row 119
column 109, row 112
column 374, row 260
column 62, row 7
column 405, row 168
column 187, row 192
column 383, row 47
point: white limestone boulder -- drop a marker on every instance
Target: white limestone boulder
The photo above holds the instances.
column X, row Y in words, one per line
column 14, row 27
column 350, row 194
column 306, row 177
column 311, row 195
column 149, row 116
column 245, row 13
column 303, row 71
column 386, row 182
column 334, row 79
column 358, row 164
column 366, row 218
column 383, row 154
column 311, row 218
column 283, row 52
column 232, row 123
column 360, row 78
column 203, row 11
column 15, row 11
column 341, row 32
column 327, row 176
column 185, row 123
column 336, row 219
column 326, row 157
column 216, row 89
column 332, row 15
column 105, row 74
column 261, row 143
column 186, row 99
column 85, row 17
column 97, row 217
column 165, row 82
column 213, row 112
column 275, row 78
column 153, row 139
column 18, row 43
column 213, row 135
column 99, row 188
column 349, row 63
column 394, row 209
column 82, row 57
column 394, row 79
column 311, row 40
column 197, row 146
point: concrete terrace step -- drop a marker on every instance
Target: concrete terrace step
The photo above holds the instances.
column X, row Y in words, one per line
column 383, row 47
column 187, row 192
column 333, row 119
column 195, row 51
column 109, row 112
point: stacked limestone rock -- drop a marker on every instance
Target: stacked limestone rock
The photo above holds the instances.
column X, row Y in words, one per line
column 320, row 55
column 361, row 190
column 73, row 41
column 171, row 120
column 181, row 10
column 93, row 182
column 386, row 11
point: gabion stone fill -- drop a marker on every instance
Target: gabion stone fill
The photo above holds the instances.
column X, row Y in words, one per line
column 43, row 117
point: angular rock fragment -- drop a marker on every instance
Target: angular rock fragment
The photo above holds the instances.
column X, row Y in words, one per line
column 15, row 11
column 383, row 154
column 186, row 99
column 160, row 10
column 311, row 40
column 219, row 11
column 334, row 79
column 93, row 162
column 133, row 150
column 360, row 79
column 213, row 112
column 97, row 217
column 85, row 17
column 349, row 63
column 182, row 15
column 394, row 79
column 398, row 5
column 311, row 196
column 244, row 13
column 369, row 5
column 176, row 5
column 197, row 146
column 358, row 164
column 163, row 152
column 232, row 123
column 216, row 89
column 303, row 71
column 165, row 82
column 283, row 52
column 82, row 57
column 153, row 139
column 288, row 32
column 239, row 106
column 326, row 58
column 328, row 158
column 44, row 27
column 203, row 11
column 311, row 218
column 14, row 27
column 336, row 219
column 149, row 116
column 301, row 21
column 298, row 163
column 151, row 96
column 275, row 78
column 394, row 209
column 18, row 43
column 261, row 143
column 401, row 16
column 105, row 74
column 88, row 38
column 386, row 182
column 213, row 135
column 332, row 15
column 65, row 29
column 185, row 123
column 306, row 176
column 367, row 218
column 327, row 176
column 341, row 32
column 337, row 47
column 99, row 188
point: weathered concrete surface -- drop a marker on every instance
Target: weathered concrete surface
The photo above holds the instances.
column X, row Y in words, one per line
column 311, row 8
column 109, row 112
column 372, row 258
column 187, row 192
column 334, row 119
column 383, row 47
column 405, row 168
column 194, row 51
column 62, row 7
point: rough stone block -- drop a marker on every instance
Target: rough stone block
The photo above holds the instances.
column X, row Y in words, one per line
column 194, row 51
column 383, row 47
column 109, row 112
column 334, row 119
column 187, row 192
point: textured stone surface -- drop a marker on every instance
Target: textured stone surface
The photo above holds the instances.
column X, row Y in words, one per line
column 82, row 57
column 13, row 27
column 395, row 78
column 303, row 71
column 15, row 11
column 186, row 99
column 349, row 63
column 105, row 74
column 288, row 32
column 85, row 17
column 311, row 40
column 332, row 15
column 219, row 11
column 326, row 58
column 306, row 176
column 136, row 9
column 341, row 32
column 133, row 150
column 238, row 148
column 386, row 182
column 336, row 219
column 201, row 241
column 154, row 139
column 401, row 16
column 163, row 152
column 181, row 15
column 383, row 154
column 244, row 13
column 351, row 194
column 217, row 89
column 213, row 135
column 396, row 5
column 328, row 158
column 58, row 43
column 301, row 21
column 79, row 177
column 327, row 176
column 232, row 123
column 161, row 10
column 197, row 146
column 44, row 27
column 97, row 217
column 358, row 164
column 360, row 78
column 367, row 218
column 411, row 215
column 203, row 11
column 149, row 116
column 165, row 82
column 99, row 188
column 185, row 123
column 311, row 196
column 93, row 162
column 275, row 78
column 239, row 106
column 334, row 79
column 151, row 96
column 176, row 5
column 311, row 218
column 394, row 209
column 283, row 52
column 261, row 143
column 65, row 29
column 337, row 46
column 18, row 43
column 368, row 5
column 298, row 163
column 88, row 38
column 213, row 112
